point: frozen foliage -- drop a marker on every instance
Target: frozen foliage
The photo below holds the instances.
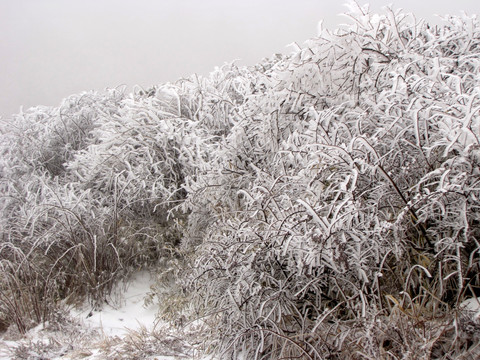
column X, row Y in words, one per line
column 318, row 205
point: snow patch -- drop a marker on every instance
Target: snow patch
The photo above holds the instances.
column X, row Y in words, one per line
column 130, row 314
column 472, row 306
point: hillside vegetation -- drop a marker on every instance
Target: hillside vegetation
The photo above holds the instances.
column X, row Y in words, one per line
column 319, row 205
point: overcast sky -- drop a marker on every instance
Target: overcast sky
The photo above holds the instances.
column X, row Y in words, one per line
column 50, row 49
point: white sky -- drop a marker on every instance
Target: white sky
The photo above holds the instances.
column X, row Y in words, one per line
column 50, row 49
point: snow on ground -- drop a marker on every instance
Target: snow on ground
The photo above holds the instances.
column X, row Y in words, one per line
column 107, row 328
column 129, row 314
column 471, row 306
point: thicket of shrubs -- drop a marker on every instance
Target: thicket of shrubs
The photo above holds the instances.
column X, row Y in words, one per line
column 323, row 204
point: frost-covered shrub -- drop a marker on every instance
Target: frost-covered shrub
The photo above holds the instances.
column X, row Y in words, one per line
column 91, row 188
column 51, row 235
column 45, row 138
column 347, row 188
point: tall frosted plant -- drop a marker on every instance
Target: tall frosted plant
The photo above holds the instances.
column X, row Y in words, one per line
column 346, row 191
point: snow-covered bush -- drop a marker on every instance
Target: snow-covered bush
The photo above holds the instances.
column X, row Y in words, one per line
column 44, row 228
column 347, row 189
column 91, row 189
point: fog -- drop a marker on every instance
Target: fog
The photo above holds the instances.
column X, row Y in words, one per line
column 50, row 49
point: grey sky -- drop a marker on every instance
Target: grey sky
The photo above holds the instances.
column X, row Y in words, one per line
column 50, row 49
